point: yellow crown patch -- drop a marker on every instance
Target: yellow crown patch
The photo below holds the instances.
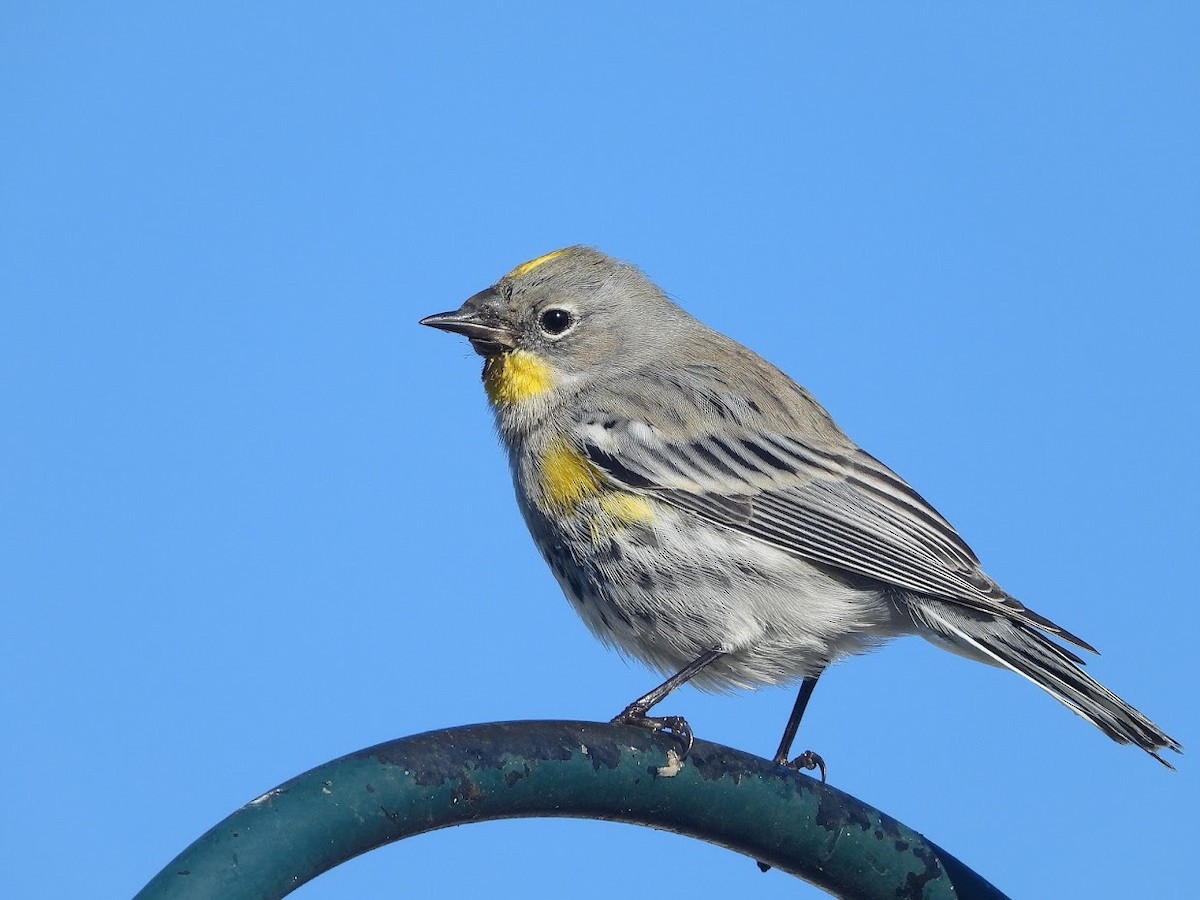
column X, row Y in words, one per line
column 525, row 268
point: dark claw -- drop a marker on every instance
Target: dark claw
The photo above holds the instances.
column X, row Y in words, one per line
column 808, row 760
column 677, row 725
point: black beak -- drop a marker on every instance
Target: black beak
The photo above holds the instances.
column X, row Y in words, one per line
column 488, row 335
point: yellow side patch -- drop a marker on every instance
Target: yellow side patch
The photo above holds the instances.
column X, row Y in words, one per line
column 525, row 268
column 628, row 509
column 515, row 377
column 567, row 477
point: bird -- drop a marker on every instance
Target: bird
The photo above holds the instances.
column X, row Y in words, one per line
column 704, row 514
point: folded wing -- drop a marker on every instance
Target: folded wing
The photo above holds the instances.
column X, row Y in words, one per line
column 839, row 507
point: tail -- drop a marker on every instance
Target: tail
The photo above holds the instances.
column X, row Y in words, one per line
column 1018, row 646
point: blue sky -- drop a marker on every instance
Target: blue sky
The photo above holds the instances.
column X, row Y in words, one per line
column 253, row 517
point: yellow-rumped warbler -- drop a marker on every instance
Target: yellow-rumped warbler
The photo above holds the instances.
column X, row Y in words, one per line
column 704, row 514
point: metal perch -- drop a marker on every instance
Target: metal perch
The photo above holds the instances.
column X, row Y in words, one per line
column 476, row 773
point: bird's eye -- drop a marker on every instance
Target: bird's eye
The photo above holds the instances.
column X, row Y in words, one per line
column 556, row 321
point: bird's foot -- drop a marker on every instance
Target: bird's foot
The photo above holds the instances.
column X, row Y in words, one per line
column 806, row 760
column 677, row 726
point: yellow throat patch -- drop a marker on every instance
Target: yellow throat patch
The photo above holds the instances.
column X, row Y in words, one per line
column 515, row 377
column 525, row 268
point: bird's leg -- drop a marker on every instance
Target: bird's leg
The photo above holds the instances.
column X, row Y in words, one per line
column 807, row 759
column 635, row 712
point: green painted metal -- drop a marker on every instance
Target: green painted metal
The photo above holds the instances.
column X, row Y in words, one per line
column 334, row 812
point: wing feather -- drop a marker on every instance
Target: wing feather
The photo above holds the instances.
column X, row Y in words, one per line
column 839, row 507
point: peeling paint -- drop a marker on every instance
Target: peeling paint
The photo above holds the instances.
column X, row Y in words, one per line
column 263, row 798
column 673, row 767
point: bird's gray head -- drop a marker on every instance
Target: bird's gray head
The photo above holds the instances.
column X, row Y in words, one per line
column 560, row 320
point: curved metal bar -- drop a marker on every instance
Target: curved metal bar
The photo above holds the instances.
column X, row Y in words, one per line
column 334, row 812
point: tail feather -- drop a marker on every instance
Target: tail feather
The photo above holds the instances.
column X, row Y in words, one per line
column 1018, row 647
